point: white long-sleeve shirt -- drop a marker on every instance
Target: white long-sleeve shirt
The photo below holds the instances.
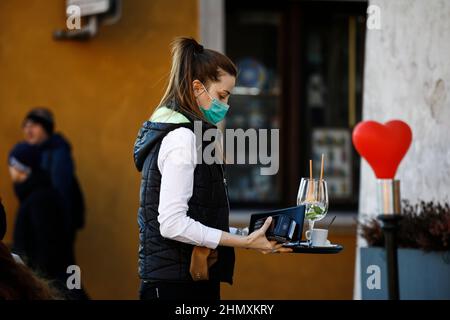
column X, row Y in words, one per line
column 177, row 161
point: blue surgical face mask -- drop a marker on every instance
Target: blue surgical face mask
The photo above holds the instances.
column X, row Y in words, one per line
column 216, row 111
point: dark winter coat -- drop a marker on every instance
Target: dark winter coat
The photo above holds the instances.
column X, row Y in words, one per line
column 39, row 235
column 162, row 259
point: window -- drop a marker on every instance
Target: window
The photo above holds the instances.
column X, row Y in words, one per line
column 300, row 70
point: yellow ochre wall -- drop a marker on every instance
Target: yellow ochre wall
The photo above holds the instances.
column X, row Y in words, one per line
column 101, row 91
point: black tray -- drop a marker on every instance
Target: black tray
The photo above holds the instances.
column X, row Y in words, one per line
column 304, row 248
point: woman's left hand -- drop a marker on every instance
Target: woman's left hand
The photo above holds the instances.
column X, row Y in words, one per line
column 258, row 240
column 277, row 248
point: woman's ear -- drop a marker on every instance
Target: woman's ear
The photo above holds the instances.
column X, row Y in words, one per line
column 198, row 87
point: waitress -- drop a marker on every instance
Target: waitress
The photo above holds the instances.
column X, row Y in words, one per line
column 186, row 248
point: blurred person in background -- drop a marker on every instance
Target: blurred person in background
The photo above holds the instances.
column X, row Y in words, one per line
column 40, row 237
column 57, row 160
column 186, row 248
column 2, row 220
column 17, row 281
column 3, row 229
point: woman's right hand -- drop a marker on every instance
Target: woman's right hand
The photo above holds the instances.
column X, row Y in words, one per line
column 257, row 240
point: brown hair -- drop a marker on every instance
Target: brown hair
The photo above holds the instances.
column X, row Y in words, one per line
column 17, row 282
column 190, row 61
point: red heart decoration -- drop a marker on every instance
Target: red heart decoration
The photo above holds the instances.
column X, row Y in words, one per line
column 382, row 145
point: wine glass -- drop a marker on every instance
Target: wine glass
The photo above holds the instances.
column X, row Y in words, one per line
column 314, row 195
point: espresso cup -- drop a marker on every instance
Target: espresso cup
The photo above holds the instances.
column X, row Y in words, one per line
column 318, row 237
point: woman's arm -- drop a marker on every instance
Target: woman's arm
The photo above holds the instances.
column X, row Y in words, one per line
column 176, row 162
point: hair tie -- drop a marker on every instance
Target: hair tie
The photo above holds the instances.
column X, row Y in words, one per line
column 200, row 48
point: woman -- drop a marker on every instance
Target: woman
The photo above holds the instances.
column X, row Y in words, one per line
column 186, row 249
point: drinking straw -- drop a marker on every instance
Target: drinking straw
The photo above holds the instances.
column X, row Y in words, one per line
column 321, row 168
column 310, row 190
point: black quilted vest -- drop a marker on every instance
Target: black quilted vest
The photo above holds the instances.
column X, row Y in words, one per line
column 162, row 259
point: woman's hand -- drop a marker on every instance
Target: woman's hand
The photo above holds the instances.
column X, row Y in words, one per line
column 257, row 240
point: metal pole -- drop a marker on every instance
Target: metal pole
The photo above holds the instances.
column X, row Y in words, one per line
column 390, row 209
column 390, row 227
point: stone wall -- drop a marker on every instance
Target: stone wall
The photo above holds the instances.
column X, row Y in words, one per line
column 407, row 77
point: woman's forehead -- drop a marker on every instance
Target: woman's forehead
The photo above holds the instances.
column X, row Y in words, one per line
column 226, row 82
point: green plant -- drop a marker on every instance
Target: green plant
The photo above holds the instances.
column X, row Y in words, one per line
column 314, row 211
column 425, row 225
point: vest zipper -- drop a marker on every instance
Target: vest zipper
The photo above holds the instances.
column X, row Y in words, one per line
column 226, row 187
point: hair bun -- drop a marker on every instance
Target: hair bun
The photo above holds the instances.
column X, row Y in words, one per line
column 199, row 48
column 182, row 43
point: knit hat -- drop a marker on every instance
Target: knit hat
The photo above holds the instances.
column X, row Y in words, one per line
column 42, row 116
column 25, row 157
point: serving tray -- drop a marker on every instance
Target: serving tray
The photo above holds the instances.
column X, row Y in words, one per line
column 303, row 247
